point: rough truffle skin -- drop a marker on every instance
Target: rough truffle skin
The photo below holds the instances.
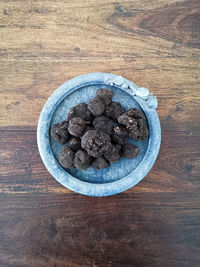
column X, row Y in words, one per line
column 136, row 124
column 96, row 106
column 130, row 151
column 139, row 131
column 105, row 95
column 95, row 143
column 133, row 131
column 59, row 132
column 135, row 113
column 119, row 135
column 143, row 128
column 100, row 163
column 81, row 160
column 113, row 154
column 114, row 110
column 76, row 126
column 66, row 157
column 126, row 120
column 81, row 110
column 75, row 144
column 102, row 123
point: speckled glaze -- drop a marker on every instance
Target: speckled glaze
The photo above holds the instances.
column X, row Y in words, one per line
column 119, row 176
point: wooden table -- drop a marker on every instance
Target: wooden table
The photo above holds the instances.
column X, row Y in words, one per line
column 156, row 45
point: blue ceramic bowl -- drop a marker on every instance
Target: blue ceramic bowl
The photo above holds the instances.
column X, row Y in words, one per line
column 119, row 176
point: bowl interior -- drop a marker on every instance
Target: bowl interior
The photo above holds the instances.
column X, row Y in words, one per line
column 116, row 171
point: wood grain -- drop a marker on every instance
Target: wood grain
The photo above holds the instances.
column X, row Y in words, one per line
column 155, row 44
column 142, row 229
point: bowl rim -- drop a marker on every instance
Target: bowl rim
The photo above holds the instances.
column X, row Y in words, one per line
column 73, row 183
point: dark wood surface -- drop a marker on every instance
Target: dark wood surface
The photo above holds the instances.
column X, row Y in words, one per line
column 156, row 45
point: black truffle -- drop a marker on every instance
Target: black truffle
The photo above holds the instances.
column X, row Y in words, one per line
column 59, row 132
column 66, row 157
column 113, row 154
column 114, row 110
column 81, row 110
column 75, row 144
column 136, row 124
column 126, row 120
column 100, row 163
column 130, row 151
column 105, row 95
column 76, row 126
column 95, row 143
column 119, row 135
column 102, row 123
column 81, row 160
column 96, row 106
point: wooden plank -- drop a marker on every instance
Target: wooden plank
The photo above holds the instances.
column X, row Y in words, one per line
column 155, row 44
column 145, row 229
column 22, row 171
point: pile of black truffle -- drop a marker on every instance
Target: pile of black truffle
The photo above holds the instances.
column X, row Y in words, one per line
column 96, row 133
